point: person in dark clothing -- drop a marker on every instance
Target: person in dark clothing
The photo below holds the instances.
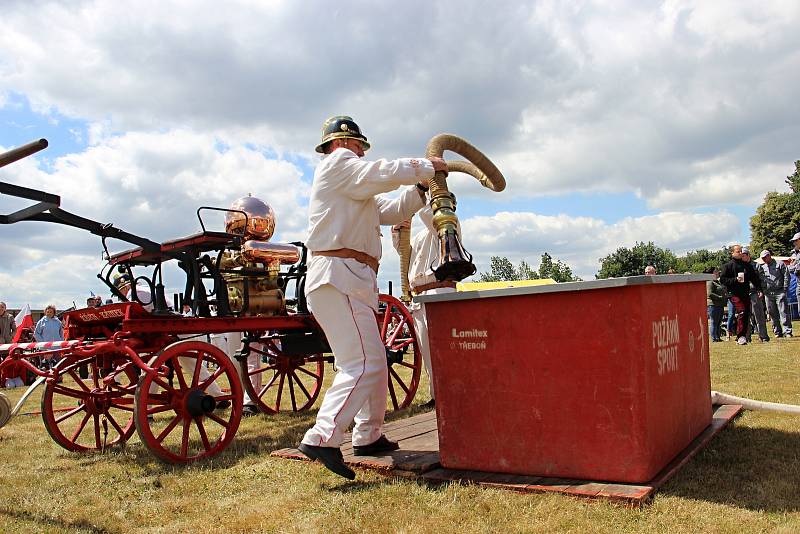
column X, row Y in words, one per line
column 736, row 276
column 717, row 298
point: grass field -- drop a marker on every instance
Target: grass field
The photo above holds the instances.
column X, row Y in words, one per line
column 746, row 480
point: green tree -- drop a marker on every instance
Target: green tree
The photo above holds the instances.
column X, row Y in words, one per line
column 632, row 261
column 501, row 270
column 697, row 261
column 774, row 223
column 793, row 181
column 558, row 270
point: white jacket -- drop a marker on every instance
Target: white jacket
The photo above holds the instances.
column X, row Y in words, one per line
column 344, row 212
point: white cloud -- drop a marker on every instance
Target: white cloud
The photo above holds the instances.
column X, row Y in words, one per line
column 147, row 184
column 582, row 241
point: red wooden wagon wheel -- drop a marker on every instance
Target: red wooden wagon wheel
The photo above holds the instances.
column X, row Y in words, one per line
column 92, row 413
column 280, row 382
column 402, row 353
column 189, row 419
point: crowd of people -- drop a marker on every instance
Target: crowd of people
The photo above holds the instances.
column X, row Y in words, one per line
column 754, row 292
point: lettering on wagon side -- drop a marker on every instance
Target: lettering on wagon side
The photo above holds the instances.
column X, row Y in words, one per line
column 473, row 339
column 666, row 337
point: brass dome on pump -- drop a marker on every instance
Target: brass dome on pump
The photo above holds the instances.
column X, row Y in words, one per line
column 259, row 223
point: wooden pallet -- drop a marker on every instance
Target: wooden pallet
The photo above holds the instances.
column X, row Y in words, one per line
column 418, row 457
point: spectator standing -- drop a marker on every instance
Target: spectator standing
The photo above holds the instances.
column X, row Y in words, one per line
column 775, row 281
column 736, row 276
column 49, row 328
column 717, row 297
column 794, row 266
column 758, row 316
column 8, row 327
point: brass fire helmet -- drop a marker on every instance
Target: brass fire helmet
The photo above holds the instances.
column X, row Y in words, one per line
column 259, row 223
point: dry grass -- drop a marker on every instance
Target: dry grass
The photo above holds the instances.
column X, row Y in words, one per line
column 747, row 480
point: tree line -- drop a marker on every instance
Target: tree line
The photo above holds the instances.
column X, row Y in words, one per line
column 773, row 225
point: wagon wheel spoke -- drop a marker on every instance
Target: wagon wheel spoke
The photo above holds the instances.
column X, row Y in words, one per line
column 80, row 395
column 280, row 392
column 172, row 424
column 212, row 378
column 159, row 409
column 309, row 373
column 198, row 366
column 78, row 380
column 176, row 366
column 403, row 343
column 291, row 392
column 95, row 374
column 224, row 398
column 115, row 424
column 70, row 413
column 159, row 380
column 398, row 379
column 97, row 441
column 80, row 428
column 123, row 403
column 406, row 364
column 397, row 331
column 393, row 395
column 301, row 386
column 185, row 437
column 260, row 370
column 386, row 320
column 217, row 419
column 264, row 389
column 202, row 430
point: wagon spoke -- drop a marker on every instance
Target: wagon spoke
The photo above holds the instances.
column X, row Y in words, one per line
column 259, row 370
column 208, row 381
column 70, row 413
column 176, row 366
column 68, row 392
column 269, row 385
column 115, row 424
column 160, row 409
column 309, row 373
column 291, row 393
column 168, row 429
column 397, row 331
column 217, row 419
column 386, row 316
column 393, row 395
column 97, row 442
column 280, row 392
column 185, row 438
column 301, row 386
column 164, row 385
column 202, row 430
column 80, row 428
column 224, row 398
column 399, row 380
column 95, row 374
column 406, row 364
column 78, row 380
column 198, row 366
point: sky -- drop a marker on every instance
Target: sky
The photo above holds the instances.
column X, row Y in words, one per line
column 612, row 122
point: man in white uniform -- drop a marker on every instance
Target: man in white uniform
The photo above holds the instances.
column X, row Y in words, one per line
column 341, row 285
column 422, row 281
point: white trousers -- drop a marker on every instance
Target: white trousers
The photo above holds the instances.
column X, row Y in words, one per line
column 421, row 329
column 360, row 386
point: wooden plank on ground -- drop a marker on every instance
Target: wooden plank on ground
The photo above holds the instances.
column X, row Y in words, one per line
column 418, row 457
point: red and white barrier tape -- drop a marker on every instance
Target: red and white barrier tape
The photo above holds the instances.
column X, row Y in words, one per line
column 45, row 345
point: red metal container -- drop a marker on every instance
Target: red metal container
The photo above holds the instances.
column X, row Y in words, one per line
column 600, row 380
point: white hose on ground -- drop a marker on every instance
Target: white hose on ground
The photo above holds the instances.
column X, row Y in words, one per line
column 750, row 404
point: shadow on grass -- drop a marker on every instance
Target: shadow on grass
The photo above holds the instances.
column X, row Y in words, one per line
column 49, row 522
column 352, row 487
column 260, row 436
column 752, row 468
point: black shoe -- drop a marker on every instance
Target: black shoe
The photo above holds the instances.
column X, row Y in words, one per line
column 376, row 447
column 428, row 405
column 224, row 404
column 330, row 457
column 248, row 410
